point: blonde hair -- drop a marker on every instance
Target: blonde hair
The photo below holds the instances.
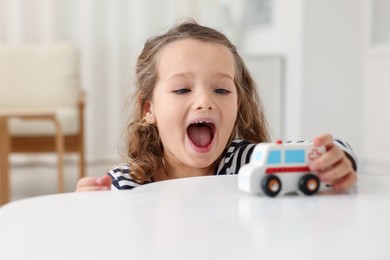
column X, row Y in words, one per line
column 144, row 147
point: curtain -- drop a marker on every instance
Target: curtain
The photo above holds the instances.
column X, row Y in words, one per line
column 110, row 35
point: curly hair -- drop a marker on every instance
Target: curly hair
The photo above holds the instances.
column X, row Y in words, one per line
column 144, row 146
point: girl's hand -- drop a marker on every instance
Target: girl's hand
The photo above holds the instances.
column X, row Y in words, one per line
column 94, row 183
column 333, row 167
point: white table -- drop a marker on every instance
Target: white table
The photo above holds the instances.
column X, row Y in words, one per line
column 199, row 218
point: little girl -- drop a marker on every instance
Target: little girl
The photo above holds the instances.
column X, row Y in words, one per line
column 198, row 113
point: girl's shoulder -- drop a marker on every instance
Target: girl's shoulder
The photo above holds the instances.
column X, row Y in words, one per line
column 121, row 177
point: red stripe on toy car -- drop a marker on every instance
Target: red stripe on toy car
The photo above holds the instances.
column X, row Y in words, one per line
column 286, row 169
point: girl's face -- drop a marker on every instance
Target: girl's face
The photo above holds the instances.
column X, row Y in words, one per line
column 194, row 103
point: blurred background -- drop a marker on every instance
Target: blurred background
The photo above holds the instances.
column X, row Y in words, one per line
column 321, row 66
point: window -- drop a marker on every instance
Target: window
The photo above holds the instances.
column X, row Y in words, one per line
column 294, row 156
column 274, row 157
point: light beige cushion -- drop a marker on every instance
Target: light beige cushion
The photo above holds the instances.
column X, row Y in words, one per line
column 68, row 117
column 40, row 77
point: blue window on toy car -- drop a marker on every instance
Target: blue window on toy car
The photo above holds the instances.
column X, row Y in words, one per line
column 274, row 157
column 294, row 156
column 258, row 156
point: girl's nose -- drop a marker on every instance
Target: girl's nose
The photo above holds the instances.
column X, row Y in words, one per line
column 204, row 100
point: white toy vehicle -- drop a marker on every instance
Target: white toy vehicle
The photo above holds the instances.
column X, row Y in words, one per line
column 280, row 168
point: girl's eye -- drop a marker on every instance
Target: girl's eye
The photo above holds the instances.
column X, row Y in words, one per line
column 182, row 91
column 221, row 91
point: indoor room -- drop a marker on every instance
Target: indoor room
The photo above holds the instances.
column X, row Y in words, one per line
column 69, row 77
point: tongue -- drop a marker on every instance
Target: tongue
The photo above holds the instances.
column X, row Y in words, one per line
column 200, row 135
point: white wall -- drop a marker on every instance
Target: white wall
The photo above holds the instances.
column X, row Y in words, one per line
column 284, row 37
column 376, row 119
column 333, row 69
column 322, row 42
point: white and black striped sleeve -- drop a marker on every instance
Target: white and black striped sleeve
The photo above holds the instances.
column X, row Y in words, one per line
column 121, row 179
column 347, row 149
column 236, row 155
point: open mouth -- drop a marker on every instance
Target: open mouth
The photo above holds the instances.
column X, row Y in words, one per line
column 201, row 133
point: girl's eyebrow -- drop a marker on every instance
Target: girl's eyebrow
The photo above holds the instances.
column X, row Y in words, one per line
column 224, row 75
column 190, row 74
column 181, row 75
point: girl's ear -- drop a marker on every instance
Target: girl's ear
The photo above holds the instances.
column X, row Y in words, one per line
column 148, row 112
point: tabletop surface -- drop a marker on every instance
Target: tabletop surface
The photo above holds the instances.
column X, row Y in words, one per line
column 200, row 218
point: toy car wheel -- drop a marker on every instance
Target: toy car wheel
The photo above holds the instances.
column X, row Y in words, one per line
column 271, row 185
column 309, row 184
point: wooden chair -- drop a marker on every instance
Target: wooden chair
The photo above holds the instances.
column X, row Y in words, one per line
column 43, row 103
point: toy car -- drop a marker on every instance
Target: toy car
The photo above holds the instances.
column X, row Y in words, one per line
column 280, row 168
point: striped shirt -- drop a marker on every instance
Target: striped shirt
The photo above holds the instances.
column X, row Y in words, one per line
column 236, row 155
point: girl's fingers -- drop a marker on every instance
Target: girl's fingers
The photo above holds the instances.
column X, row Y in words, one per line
column 332, row 157
column 345, row 182
column 94, row 183
column 86, row 181
column 339, row 170
column 324, row 140
column 104, row 181
column 333, row 167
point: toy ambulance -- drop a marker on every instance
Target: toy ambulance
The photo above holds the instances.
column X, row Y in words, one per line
column 280, row 168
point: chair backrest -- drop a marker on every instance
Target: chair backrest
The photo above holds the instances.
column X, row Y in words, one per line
column 38, row 76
